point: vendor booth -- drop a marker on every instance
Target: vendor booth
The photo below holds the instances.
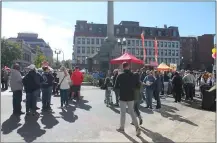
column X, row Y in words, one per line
column 163, row 67
column 126, row 57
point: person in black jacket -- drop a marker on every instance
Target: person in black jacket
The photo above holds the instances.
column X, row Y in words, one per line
column 157, row 88
column 126, row 84
column 46, row 89
column 177, row 86
column 31, row 86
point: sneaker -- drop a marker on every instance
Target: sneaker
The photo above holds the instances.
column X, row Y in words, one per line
column 120, row 130
column 138, row 131
column 21, row 113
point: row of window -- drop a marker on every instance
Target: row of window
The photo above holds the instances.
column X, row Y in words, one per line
column 98, row 41
column 26, row 57
column 82, row 60
column 134, row 51
column 87, row 50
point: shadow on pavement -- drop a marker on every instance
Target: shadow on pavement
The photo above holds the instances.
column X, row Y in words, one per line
column 31, row 130
column 48, row 120
column 145, row 110
column 156, row 137
column 10, row 124
column 166, row 111
column 114, row 109
column 129, row 138
column 81, row 104
column 68, row 115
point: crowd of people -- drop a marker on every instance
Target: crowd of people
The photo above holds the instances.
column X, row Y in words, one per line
column 131, row 87
column 34, row 83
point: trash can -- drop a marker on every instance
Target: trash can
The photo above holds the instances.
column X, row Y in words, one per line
column 208, row 99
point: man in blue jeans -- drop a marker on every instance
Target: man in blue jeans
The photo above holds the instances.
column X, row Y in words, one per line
column 46, row 88
column 31, row 86
column 149, row 88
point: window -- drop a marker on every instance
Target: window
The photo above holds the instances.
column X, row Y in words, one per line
column 97, row 49
column 97, row 41
column 165, row 53
column 102, row 41
column 157, row 43
column 149, row 43
column 92, row 50
column 133, row 51
column 169, row 54
column 149, row 52
column 128, row 50
column 140, row 41
column 159, row 33
column 161, row 44
column 151, row 32
column 117, row 31
column 152, row 43
column 79, row 41
column 83, row 59
column 169, row 60
column 92, row 41
column 78, row 50
column 177, row 44
column 141, row 52
column 173, row 44
column 174, row 33
column 162, row 53
column 177, row 53
column 83, row 50
column 173, row 52
column 83, row 40
column 137, row 42
column 126, row 30
column 88, row 40
column 165, row 44
column 169, row 44
column 133, row 42
column 128, row 43
column 137, row 51
column 88, row 50
column 146, row 43
column 173, row 60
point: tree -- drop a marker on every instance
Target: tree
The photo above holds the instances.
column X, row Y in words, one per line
column 67, row 64
column 10, row 51
column 39, row 58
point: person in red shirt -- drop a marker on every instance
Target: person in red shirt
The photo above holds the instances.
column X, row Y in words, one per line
column 77, row 79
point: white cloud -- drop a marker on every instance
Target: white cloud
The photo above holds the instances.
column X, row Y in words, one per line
column 57, row 33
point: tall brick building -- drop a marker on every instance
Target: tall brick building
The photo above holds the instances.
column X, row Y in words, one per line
column 197, row 52
column 88, row 39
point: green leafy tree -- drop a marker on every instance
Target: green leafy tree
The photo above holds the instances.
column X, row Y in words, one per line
column 10, row 51
column 39, row 58
column 68, row 64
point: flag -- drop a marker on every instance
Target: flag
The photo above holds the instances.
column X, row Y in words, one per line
column 143, row 45
column 155, row 49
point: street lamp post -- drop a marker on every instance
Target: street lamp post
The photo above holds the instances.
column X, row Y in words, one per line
column 57, row 52
column 121, row 43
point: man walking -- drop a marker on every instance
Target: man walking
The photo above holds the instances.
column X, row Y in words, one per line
column 126, row 84
column 190, row 82
column 16, row 88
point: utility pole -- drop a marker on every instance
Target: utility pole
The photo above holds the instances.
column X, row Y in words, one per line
column 57, row 52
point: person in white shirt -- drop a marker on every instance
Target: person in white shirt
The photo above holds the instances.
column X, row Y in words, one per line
column 64, row 82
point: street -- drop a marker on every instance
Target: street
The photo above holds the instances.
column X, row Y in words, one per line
column 92, row 121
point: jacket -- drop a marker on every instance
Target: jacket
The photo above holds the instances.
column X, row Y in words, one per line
column 77, row 77
column 158, row 83
column 47, row 80
column 177, row 83
column 64, row 79
column 16, row 80
column 30, row 82
column 126, row 83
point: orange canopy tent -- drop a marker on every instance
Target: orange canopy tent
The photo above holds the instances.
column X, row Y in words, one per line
column 126, row 57
column 163, row 67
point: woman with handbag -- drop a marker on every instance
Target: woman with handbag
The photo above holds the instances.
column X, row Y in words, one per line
column 64, row 83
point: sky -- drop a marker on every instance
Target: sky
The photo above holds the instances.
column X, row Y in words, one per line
column 55, row 21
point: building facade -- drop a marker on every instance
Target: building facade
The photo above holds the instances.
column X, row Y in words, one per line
column 197, row 52
column 89, row 37
column 34, row 42
column 27, row 53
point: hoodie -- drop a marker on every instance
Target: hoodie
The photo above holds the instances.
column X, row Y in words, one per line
column 30, row 82
column 16, row 80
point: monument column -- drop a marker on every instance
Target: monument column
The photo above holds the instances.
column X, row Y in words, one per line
column 110, row 20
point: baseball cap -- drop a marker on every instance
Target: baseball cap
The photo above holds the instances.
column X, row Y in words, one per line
column 32, row 67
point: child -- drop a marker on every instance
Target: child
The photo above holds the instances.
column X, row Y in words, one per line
column 108, row 90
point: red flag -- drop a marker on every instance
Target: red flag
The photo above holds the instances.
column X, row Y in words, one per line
column 143, row 45
column 155, row 49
